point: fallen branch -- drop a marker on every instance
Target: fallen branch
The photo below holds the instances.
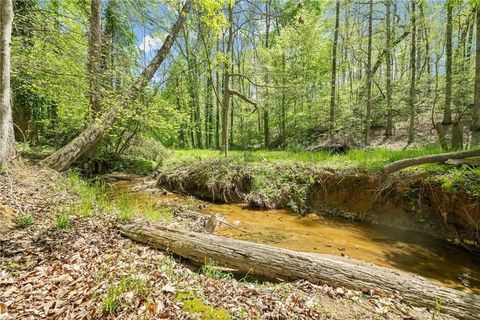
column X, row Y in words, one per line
column 436, row 158
column 461, row 162
column 274, row 263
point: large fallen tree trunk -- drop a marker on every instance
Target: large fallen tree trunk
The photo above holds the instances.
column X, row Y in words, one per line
column 274, row 262
column 88, row 140
column 435, row 158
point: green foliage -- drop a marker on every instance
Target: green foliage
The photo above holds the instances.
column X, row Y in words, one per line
column 463, row 179
column 24, row 220
column 155, row 215
column 62, row 220
column 90, row 195
column 115, row 297
column 126, row 206
column 211, row 270
column 365, row 159
column 438, row 307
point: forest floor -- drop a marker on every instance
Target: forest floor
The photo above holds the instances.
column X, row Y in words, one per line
column 66, row 260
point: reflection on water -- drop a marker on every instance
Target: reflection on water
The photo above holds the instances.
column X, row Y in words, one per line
column 389, row 247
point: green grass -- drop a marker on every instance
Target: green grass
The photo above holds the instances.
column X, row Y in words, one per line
column 24, row 220
column 161, row 214
column 62, row 220
column 372, row 159
column 211, row 270
column 115, row 296
column 460, row 179
column 126, row 208
column 90, row 194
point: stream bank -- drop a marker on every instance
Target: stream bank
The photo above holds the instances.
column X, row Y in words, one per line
column 432, row 203
column 389, row 247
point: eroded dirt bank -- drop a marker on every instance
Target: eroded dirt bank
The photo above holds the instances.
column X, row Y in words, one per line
column 417, row 202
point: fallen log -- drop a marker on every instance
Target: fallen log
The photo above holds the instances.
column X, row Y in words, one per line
column 275, row 263
column 435, row 158
column 461, row 162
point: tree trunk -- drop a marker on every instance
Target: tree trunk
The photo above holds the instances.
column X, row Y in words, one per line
column 388, row 65
column 89, row 139
column 226, row 83
column 271, row 262
column 411, row 129
column 457, row 135
column 283, row 121
column 208, row 112
column 447, row 113
column 7, row 139
column 94, row 55
column 476, row 107
column 218, row 84
column 435, row 158
column 193, row 90
column 334, row 68
column 368, row 119
column 266, row 116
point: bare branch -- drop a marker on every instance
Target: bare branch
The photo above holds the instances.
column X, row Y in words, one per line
column 243, row 97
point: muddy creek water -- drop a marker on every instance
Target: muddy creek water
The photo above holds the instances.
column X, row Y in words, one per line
column 404, row 250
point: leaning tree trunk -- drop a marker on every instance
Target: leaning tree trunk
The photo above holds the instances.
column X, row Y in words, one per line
column 7, row 140
column 89, row 139
column 434, row 158
column 274, row 263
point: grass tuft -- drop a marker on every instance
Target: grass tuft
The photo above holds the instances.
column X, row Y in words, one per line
column 116, row 297
column 24, row 220
column 62, row 220
column 211, row 270
column 126, row 206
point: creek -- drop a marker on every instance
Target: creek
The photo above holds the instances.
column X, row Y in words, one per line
column 408, row 251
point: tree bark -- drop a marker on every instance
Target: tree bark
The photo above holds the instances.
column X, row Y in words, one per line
column 218, row 84
column 226, row 83
column 208, row 111
column 7, row 139
column 266, row 116
column 411, row 129
column 476, row 107
column 457, row 135
column 447, row 113
column 334, row 69
column 368, row 120
column 271, row 262
column 388, row 65
column 89, row 139
column 435, row 158
column 95, row 52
